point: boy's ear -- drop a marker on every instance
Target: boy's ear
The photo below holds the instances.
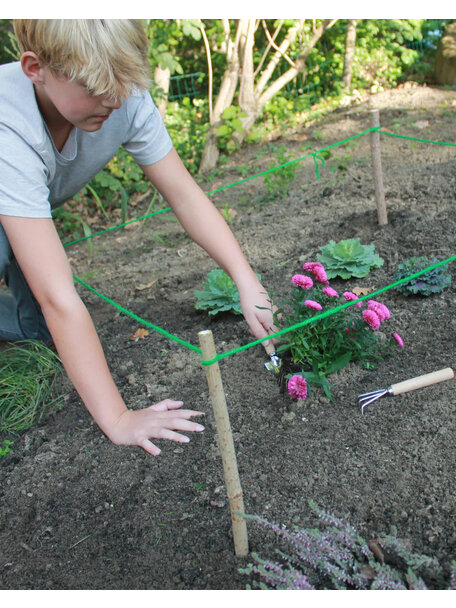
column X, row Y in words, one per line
column 32, row 67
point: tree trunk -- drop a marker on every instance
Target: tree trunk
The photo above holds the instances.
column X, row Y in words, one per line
column 252, row 98
column 162, row 80
column 350, row 44
column 224, row 98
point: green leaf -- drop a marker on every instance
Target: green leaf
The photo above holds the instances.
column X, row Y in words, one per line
column 349, row 258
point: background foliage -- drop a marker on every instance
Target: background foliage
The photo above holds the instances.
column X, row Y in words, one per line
column 388, row 52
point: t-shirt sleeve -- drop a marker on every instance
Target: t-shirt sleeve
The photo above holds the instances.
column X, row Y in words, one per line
column 23, row 178
column 148, row 140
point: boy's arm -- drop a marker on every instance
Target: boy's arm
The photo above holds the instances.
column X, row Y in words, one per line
column 43, row 261
column 206, row 226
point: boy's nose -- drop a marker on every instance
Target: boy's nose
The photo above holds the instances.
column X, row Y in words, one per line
column 110, row 103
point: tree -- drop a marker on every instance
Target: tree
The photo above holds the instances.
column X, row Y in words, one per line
column 244, row 72
column 165, row 35
column 350, row 45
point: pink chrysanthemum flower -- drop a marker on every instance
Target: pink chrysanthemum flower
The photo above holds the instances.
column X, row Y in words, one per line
column 313, row 304
column 320, row 276
column 371, row 318
column 301, row 280
column 311, row 266
column 350, row 297
column 398, row 340
column 318, row 271
column 381, row 310
column 297, row 387
column 329, row 291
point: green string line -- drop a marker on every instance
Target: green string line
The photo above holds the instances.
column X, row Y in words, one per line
column 425, row 141
column 315, row 155
column 282, row 332
column 136, row 317
column 325, row 314
column 138, row 219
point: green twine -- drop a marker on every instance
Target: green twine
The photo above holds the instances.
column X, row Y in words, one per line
column 425, row 141
column 316, row 157
column 136, row 317
column 282, row 332
column 327, row 313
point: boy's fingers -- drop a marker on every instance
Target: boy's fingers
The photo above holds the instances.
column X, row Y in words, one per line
column 166, row 404
column 169, row 405
column 150, row 447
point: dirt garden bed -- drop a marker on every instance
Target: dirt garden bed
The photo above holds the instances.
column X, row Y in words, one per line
column 77, row 512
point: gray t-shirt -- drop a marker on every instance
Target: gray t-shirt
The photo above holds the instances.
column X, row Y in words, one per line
column 35, row 177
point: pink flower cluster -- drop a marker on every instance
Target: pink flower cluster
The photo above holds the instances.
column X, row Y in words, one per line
column 329, row 291
column 313, row 304
column 317, row 270
column 350, row 297
column 302, row 280
column 375, row 313
column 297, row 387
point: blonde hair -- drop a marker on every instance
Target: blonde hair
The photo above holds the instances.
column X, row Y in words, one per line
column 108, row 56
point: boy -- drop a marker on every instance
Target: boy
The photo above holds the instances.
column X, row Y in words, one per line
column 79, row 92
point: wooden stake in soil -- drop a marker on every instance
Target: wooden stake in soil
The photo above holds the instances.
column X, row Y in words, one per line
column 377, row 169
column 226, row 444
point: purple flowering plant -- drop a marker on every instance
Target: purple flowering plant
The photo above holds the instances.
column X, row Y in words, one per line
column 352, row 334
column 335, row 556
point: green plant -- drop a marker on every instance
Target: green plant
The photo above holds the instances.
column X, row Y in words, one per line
column 69, row 224
column 232, row 123
column 321, row 347
column 336, row 556
column 219, row 294
column 28, row 371
column 426, row 284
column 348, row 258
column 5, row 448
column 278, row 181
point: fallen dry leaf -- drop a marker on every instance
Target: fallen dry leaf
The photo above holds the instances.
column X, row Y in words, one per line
column 363, row 291
column 139, row 334
column 142, row 286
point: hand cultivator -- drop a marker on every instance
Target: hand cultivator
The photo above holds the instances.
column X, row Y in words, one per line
column 407, row 385
column 274, row 363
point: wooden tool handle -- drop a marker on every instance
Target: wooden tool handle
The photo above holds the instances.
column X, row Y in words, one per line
column 421, row 381
column 269, row 348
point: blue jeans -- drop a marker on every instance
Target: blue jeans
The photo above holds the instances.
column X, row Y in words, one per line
column 20, row 314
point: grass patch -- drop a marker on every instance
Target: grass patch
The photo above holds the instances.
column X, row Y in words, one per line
column 28, row 371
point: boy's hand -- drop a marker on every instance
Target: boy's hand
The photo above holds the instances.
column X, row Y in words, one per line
column 160, row 421
column 258, row 311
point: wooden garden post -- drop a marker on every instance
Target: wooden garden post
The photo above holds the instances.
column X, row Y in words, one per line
column 226, row 444
column 377, row 169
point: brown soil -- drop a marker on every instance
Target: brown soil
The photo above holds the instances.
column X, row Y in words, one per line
column 77, row 512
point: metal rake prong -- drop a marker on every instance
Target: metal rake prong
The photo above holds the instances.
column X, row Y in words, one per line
column 367, row 398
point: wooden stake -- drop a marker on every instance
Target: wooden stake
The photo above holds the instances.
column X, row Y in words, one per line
column 377, row 169
column 226, row 444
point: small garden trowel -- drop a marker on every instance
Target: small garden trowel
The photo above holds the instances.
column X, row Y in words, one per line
column 274, row 363
column 407, row 385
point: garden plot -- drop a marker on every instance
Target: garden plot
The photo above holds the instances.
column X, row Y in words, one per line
column 78, row 512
